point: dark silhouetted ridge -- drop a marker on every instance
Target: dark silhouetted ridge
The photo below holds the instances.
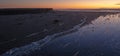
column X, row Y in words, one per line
column 11, row 11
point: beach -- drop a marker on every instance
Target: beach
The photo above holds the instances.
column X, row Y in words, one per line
column 23, row 29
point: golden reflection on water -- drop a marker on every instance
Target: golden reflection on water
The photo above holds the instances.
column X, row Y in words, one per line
column 107, row 26
column 109, row 18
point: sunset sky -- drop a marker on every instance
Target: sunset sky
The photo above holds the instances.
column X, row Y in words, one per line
column 60, row 4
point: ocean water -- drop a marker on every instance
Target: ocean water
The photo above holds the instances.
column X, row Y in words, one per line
column 101, row 37
column 90, row 10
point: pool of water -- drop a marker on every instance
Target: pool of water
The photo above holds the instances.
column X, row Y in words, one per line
column 99, row 38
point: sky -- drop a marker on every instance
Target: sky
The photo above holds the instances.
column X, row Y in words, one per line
column 60, row 4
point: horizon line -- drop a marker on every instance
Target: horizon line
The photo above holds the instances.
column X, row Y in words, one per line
column 59, row 8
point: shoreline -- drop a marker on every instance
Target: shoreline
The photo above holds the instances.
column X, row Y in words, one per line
column 38, row 26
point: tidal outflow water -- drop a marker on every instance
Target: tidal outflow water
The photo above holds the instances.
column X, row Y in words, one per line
column 99, row 38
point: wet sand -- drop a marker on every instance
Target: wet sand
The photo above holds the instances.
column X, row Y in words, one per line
column 19, row 30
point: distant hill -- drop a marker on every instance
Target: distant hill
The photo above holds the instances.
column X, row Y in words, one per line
column 10, row 11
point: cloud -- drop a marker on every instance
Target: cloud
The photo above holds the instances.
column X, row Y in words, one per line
column 117, row 4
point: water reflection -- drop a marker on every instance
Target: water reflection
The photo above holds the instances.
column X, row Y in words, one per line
column 98, row 36
column 101, row 38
